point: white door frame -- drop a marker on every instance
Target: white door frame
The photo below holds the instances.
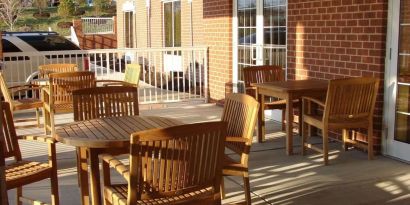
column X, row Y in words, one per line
column 390, row 146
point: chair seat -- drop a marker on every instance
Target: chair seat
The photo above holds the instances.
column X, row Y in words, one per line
column 25, row 172
column 316, row 120
column 233, row 167
column 63, row 106
column 117, row 195
column 24, row 104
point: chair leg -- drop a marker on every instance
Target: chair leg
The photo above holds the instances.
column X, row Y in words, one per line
column 326, row 146
column 19, row 193
column 284, row 120
column 370, row 153
column 223, row 195
column 55, row 198
column 247, row 188
column 345, row 135
column 52, row 123
column 38, row 117
column 304, row 136
column 46, row 116
column 78, row 165
column 106, row 174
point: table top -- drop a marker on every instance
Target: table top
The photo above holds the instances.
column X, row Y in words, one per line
column 294, row 85
column 110, row 132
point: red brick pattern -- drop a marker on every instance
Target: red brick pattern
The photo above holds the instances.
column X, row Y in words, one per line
column 330, row 39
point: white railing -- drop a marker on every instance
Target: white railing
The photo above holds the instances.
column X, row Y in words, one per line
column 98, row 25
column 168, row 74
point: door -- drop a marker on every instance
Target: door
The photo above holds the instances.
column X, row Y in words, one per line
column 397, row 97
column 259, row 35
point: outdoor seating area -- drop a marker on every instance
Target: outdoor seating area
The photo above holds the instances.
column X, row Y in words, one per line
column 170, row 160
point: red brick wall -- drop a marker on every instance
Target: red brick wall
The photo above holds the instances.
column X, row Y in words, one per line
column 330, row 39
column 218, row 37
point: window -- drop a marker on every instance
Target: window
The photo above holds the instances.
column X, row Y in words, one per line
column 8, row 47
column 172, row 24
column 128, row 29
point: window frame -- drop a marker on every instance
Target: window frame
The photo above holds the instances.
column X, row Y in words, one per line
column 172, row 2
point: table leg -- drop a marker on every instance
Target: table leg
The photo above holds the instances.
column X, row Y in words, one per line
column 261, row 118
column 300, row 117
column 95, row 177
column 289, row 125
column 83, row 176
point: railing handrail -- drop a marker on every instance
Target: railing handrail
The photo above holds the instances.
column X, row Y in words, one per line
column 94, row 51
column 105, row 18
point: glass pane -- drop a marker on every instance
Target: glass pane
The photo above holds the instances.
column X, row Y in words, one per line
column 49, row 43
column 282, row 16
column 241, row 18
column 177, row 23
column 267, row 33
column 282, row 36
column 402, row 124
column 168, row 24
column 129, row 28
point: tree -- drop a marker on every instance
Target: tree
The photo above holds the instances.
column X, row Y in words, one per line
column 10, row 10
column 66, row 8
column 41, row 5
column 99, row 6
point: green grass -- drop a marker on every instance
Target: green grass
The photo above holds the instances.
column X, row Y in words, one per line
column 27, row 20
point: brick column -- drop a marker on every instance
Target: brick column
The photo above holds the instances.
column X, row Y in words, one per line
column 218, row 37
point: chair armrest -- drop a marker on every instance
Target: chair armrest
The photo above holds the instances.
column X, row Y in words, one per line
column 22, row 86
column 39, row 138
column 117, row 165
column 236, row 139
column 314, row 100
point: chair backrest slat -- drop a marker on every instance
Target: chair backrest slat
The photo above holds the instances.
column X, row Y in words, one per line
column 261, row 74
column 132, row 74
column 63, row 84
column 240, row 114
column 45, row 70
column 99, row 102
column 8, row 136
column 176, row 160
column 351, row 98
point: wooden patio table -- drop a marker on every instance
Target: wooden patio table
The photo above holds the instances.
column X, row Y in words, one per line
column 290, row 91
column 103, row 135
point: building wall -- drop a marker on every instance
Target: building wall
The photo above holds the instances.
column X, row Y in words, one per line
column 210, row 17
column 330, row 39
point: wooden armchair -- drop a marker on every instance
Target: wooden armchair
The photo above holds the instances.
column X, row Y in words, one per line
column 175, row 165
column 21, row 172
column 349, row 105
column 99, row 102
column 240, row 113
column 131, row 77
column 45, row 70
column 58, row 97
column 19, row 97
column 262, row 74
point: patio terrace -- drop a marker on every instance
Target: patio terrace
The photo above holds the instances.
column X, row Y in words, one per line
column 275, row 178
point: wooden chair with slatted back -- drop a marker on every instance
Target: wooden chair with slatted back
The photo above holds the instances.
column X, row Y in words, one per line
column 262, row 74
column 349, row 105
column 99, row 102
column 45, row 70
column 58, row 96
column 131, row 77
column 21, row 172
column 240, row 113
column 175, row 165
column 24, row 97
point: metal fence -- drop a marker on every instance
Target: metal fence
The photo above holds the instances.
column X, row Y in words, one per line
column 98, row 25
column 167, row 74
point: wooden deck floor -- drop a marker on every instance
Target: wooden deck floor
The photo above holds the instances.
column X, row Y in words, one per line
column 275, row 178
